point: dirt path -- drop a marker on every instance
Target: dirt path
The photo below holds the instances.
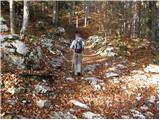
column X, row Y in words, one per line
column 119, row 96
column 109, row 88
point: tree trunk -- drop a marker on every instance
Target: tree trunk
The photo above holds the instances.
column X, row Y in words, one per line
column 24, row 28
column 86, row 13
column 54, row 12
column 76, row 21
column 12, row 16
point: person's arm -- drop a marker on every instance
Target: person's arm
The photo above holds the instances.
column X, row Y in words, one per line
column 72, row 46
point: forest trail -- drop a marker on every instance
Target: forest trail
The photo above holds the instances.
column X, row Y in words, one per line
column 106, row 89
column 111, row 87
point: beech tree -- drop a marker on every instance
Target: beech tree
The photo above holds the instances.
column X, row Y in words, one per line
column 24, row 28
column 12, row 16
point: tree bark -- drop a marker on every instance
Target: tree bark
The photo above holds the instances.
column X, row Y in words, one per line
column 24, row 28
column 12, row 16
column 77, row 21
column 54, row 12
column 86, row 13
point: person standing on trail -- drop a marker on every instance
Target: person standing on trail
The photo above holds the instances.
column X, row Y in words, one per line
column 77, row 46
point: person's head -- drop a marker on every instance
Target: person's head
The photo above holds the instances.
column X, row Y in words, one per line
column 77, row 34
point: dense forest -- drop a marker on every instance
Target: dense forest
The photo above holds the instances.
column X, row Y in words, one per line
column 120, row 59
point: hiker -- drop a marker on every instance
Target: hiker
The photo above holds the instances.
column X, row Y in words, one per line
column 77, row 47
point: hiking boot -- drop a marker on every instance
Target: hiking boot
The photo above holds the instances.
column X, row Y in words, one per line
column 79, row 73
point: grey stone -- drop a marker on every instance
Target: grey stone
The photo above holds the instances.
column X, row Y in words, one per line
column 125, row 117
column 96, row 83
column 149, row 114
column 91, row 115
column 21, row 48
column 61, row 115
column 57, row 63
column 12, row 102
column 61, row 29
column 138, row 115
column 79, row 104
column 111, row 74
column 13, row 90
column 70, row 79
column 152, row 68
column 41, row 88
column 91, row 68
column 43, row 103
column 151, row 99
column 3, row 28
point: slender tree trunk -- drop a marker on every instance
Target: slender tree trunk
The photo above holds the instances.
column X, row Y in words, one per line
column 24, row 28
column 86, row 14
column 54, row 12
column 12, row 16
column 134, row 20
column 76, row 21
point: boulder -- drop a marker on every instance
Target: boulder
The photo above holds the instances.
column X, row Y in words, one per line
column 3, row 26
column 16, row 52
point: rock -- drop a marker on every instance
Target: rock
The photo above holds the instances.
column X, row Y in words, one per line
column 149, row 114
column 95, row 38
column 120, row 66
column 33, row 58
column 91, row 115
column 3, row 26
column 144, row 107
column 61, row 29
column 42, row 88
column 109, row 51
column 57, row 63
column 154, row 79
column 96, row 83
column 91, row 68
column 40, row 25
column 70, row 79
column 111, row 74
column 62, row 115
column 79, row 104
column 13, row 90
column 138, row 115
column 21, row 48
column 21, row 117
column 151, row 99
column 125, row 117
column 43, row 103
column 152, row 68
column 11, row 102
column 16, row 52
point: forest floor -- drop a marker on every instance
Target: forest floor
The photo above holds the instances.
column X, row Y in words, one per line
column 109, row 88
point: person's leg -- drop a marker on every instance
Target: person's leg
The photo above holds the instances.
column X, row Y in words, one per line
column 75, row 63
column 79, row 63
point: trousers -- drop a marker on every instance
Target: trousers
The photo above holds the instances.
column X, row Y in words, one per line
column 77, row 62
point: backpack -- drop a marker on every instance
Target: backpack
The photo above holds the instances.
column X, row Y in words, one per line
column 78, row 46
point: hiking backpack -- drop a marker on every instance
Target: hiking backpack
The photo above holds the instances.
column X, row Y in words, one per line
column 78, row 46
